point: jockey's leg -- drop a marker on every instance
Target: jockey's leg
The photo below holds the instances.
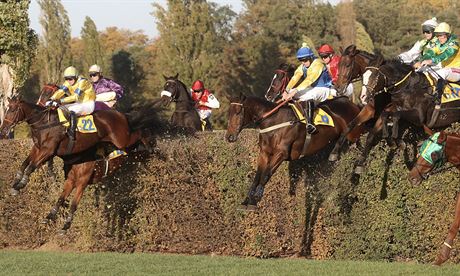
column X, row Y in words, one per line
column 309, row 96
column 78, row 109
column 109, row 98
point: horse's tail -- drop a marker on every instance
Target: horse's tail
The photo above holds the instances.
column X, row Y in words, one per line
column 147, row 117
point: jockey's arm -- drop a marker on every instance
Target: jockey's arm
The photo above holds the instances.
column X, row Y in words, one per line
column 412, row 54
column 115, row 87
column 60, row 93
column 313, row 73
column 298, row 74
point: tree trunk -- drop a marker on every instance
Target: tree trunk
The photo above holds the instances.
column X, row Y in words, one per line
column 6, row 88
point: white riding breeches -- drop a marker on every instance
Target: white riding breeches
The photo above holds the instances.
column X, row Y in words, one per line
column 109, row 98
column 450, row 74
column 204, row 113
column 81, row 108
column 319, row 94
column 349, row 90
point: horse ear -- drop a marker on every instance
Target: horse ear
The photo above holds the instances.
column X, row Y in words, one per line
column 176, row 76
column 442, row 137
column 353, row 50
column 379, row 60
column 340, row 50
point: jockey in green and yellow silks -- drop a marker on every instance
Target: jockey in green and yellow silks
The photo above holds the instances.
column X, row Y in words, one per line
column 446, row 52
column 76, row 94
column 316, row 86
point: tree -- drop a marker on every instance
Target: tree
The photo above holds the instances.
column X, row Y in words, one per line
column 17, row 48
column 346, row 23
column 55, row 42
column 91, row 45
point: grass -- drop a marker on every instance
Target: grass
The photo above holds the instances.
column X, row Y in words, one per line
column 59, row 263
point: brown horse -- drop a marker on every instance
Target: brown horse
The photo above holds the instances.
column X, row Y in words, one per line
column 282, row 136
column 50, row 137
column 434, row 152
column 185, row 115
column 280, row 80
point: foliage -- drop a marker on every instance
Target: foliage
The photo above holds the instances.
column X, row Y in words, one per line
column 17, row 41
column 91, row 45
column 54, row 50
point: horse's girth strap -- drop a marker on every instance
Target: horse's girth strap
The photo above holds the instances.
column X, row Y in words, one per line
column 268, row 129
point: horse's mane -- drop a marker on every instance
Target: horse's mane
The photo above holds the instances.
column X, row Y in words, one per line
column 261, row 101
column 397, row 65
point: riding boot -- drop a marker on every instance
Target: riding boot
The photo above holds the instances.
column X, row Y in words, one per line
column 439, row 91
column 309, row 116
column 73, row 125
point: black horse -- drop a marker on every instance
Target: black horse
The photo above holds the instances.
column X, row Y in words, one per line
column 185, row 114
column 411, row 98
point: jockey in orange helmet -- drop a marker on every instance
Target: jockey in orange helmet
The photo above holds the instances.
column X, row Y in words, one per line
column 328, row 56
column 204, row 102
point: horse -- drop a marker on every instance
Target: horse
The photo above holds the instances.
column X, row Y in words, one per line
column 279, row 82
column 185, row 114
column 282, row 136
column 434, row 152
column 411, row 98
column 50, row 137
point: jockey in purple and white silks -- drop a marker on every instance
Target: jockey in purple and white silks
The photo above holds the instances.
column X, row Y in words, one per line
column 107, row 90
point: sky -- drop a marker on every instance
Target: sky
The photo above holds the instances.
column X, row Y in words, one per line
column 127, row 14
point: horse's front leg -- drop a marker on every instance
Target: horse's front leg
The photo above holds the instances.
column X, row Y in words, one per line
column 37, row 158
column 20, row 172
column 447, row 246
column 359, row 169
column 274, row 162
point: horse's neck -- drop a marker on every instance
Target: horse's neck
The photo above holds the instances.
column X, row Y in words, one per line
column 258, row 110
column 184, row 99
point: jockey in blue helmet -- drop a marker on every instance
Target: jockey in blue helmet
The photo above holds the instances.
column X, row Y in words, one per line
column 316, row 84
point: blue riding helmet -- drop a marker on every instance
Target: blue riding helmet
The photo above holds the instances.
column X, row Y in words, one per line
column 304, row 52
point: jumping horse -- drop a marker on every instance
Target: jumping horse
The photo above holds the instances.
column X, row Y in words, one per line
column 185, row 114
column 411, row 98
column 282, row 136
column 434, row 152
column 50, row 139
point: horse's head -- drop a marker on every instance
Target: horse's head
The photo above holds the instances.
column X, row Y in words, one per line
column 348, row 69
column 46, row 93
column 279, row 82
column 235, row 118
column 14, row 114
column 171, row 89
column 374, row 80
column 431, row 156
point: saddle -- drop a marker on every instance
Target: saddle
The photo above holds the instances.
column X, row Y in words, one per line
column 320, row 118
column 451, row 89
column 85, row 124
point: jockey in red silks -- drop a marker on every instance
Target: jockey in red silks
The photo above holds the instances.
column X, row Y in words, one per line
column 328, row 56
column 205, row 101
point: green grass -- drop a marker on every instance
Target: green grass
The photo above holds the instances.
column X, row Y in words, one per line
column 60, row 263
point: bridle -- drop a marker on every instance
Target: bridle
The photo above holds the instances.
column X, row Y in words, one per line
column 284, row 82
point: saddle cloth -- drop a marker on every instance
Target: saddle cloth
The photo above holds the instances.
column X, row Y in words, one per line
column 451, row 90
column 85, row 124
column 320, row 116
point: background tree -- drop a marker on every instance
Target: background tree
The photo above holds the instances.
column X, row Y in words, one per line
column 17, row 49
column 91, row 45
column 346, row 23
column 54, row 49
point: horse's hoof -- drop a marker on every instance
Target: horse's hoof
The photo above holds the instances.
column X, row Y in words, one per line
column 45, row 221
column 359, row 170
column 242, row 207
column 251, row 208
column 14, row 192
column 333, row 157
column 62, row 232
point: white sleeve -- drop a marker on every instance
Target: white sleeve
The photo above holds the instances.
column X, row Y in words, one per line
column 412, row 54
column 212, row 102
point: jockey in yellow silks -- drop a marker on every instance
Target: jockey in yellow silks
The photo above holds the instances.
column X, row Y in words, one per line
column 446, row 51
column 317, row 85
column 76, row 94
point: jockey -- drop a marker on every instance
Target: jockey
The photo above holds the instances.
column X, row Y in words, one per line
column 327, row 54
column 107, row 91
column 446, row 52
column 421, row 47
column 79, row 97
column 204, row 101
column 317, row 85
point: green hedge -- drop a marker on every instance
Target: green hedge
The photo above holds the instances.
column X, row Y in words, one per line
column 186, row 200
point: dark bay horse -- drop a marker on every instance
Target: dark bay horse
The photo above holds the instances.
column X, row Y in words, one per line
column 279, row 82
column 411, row 99
column 285, row 140
column 434, row 152
column 50, row 139
column 185, row 114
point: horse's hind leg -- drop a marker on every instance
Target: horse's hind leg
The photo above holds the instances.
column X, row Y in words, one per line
column 82, row 181
column 68, row 187
column 447, row 246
